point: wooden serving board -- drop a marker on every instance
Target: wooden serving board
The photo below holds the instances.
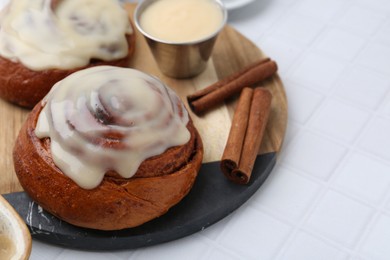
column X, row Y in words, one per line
column 232, row 51
column 212, row 197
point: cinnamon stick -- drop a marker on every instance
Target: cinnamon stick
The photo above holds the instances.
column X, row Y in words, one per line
column 216, row 93
column 246, row 134
column 235, row 142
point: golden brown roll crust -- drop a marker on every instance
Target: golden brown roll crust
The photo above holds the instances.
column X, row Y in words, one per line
column 117, row 203
column 25, row 87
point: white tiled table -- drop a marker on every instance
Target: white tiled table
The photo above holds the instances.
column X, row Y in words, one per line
column 329, row 195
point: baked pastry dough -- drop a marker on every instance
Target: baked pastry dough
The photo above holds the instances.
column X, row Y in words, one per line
column 119, row 118
column 43, row 41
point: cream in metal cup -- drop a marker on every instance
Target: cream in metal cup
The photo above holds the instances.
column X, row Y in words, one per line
column 180, row 59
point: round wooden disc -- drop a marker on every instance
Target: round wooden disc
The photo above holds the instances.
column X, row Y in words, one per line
column 212, row 198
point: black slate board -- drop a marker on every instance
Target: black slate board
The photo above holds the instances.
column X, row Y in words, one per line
column 212, row 198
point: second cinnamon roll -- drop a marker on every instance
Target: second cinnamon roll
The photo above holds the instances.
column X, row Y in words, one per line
column 43, row 41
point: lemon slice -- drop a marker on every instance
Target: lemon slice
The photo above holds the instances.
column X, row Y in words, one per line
column 15, row 239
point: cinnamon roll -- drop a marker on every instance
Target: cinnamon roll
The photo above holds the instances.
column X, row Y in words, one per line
column 108, row 148
column 43, row 41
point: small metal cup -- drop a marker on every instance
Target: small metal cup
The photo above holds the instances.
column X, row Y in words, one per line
column 180, row 60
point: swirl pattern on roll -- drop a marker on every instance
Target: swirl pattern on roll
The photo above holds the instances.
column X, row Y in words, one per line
column 110, row 119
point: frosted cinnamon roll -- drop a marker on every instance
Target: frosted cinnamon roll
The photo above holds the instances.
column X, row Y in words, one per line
column 43, row 41
column 113, row 152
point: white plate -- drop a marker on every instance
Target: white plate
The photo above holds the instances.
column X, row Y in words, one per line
column 233, row 4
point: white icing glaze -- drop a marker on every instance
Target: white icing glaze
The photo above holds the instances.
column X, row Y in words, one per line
column 129, row 106
column 67, row 37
